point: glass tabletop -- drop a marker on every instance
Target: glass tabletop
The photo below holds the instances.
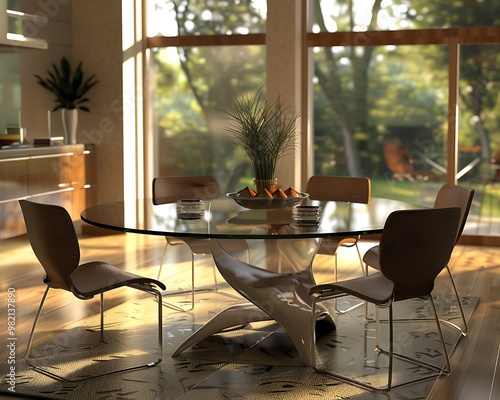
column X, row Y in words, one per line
column 224, row 218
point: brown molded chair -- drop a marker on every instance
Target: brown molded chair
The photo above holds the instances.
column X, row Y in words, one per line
column 54, row 241
column 414, row 248
column 343, row 189
column 169, row 189
column 399, row 162
column 447, row 196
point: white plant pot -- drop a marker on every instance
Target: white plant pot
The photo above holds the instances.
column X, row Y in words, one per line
column 70, row 123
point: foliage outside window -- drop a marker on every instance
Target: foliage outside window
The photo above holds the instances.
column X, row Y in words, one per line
column 379, row 90
column 380, row 15
column 213, row 17
column 193, row 86
column 188, row 117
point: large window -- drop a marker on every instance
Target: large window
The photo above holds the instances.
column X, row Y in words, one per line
column 402, row 91
column 192, row 88
column 203, row 54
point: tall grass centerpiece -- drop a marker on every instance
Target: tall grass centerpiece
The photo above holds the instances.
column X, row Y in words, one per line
column 265, row 129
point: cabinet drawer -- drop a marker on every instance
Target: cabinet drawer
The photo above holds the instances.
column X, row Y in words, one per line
column 13, row 179
column 49, row 173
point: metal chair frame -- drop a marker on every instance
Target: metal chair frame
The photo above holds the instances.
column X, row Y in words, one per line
column 145, row 288
column 448, row 196
column 344, row 189
column 54, row 241
column 169, row 189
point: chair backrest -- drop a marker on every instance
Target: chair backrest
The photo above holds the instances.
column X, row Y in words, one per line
column 339, row 188
column 53, row 239
column 415, row 246
column 169, row 189
column 455, row 196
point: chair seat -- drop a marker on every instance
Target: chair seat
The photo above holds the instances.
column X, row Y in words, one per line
column 329, row 246
column 375, row 288
column 97, row 277
column 202, row 246
column 174, row 240
column 198, row 246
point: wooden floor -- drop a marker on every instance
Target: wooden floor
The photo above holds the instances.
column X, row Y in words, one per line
column 475, row 363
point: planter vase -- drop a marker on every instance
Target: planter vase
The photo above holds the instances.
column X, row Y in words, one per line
column 270, row 184
column 70, row 123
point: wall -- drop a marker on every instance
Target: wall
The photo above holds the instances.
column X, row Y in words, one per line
column 88, row 31
column 36, row 101
column 97, row 40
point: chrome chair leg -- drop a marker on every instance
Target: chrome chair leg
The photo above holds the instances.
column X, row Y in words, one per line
column 193, row 290
column 32, row 333
column 162, row 260
column 390, row 353
column 336, row 276
column 391, row 346
column 438, row 370
column 171, row 305
column 158, row 295
column 465, row 329
column 145, row 288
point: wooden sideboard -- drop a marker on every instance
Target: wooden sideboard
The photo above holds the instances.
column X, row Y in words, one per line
column 54, row 175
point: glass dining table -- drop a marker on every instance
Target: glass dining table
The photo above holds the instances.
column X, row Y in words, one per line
column 274, row 283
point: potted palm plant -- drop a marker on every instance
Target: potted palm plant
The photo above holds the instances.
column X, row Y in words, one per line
column 70, row 89
column 265, row 130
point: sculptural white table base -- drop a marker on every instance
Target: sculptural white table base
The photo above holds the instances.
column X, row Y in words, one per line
column 274, row 296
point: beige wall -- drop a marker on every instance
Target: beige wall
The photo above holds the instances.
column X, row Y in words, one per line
column 88, row 31
column 97, row 41
column 36, row 101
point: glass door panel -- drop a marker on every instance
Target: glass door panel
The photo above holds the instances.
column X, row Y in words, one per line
column 479, row 135
column 382, row 112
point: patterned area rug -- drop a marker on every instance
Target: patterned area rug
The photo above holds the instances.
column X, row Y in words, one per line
column 256, row 361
